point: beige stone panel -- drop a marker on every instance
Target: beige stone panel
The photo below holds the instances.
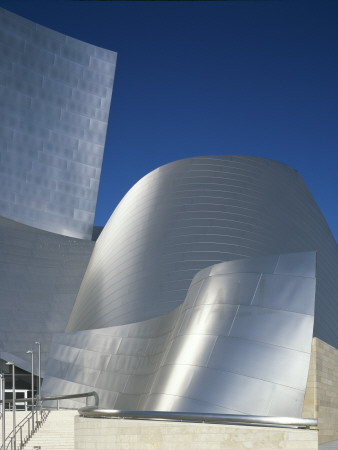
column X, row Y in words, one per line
column 321, row 396
column 117, row 434
column 310, row 405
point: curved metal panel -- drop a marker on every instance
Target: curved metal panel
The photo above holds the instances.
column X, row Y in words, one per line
column 220, row 345
column 223, row 350
column 55, row 96
column 190, row 214
column 40, row 275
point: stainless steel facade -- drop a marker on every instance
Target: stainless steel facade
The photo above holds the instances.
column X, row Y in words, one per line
column 200, row 293
column 239, row 344
column 122, row 337
column 55, row 94
column 40, row 275
column 193, row 213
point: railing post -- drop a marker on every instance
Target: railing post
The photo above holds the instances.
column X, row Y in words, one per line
column 32, row 386
column 14, row 401
column 3, row 405
column 57, row 405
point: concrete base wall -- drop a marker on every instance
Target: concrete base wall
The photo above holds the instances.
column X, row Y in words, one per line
column 123, row 434
column 321, row 397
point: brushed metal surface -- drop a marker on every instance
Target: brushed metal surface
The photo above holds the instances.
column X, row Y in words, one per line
column 219, row 351
column 40, row 275
column 190, row 214
column 137, row 331
column 293, row 422
column 259, row 360
column 274, row 326
column 272, row 291
column 55, row 96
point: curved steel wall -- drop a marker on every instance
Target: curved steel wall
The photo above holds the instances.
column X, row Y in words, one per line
column 196, row 212
column 55, row 94
column 40, row 275
column 239, row 344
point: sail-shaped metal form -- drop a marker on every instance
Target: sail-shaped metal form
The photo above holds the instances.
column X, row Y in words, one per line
column 194, row 213
column 239, row 344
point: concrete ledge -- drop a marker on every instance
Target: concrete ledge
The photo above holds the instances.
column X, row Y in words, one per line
column 126, row 434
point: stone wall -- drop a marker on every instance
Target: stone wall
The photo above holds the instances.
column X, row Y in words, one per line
column 310, row 407
column 321, row 397
column 123, row 434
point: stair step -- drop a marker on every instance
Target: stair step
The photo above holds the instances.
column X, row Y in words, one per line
column 57, row 433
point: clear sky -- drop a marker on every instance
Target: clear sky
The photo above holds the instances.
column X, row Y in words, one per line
column 227, row 77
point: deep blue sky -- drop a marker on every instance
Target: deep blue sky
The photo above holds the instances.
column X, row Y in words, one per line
column 195, row 78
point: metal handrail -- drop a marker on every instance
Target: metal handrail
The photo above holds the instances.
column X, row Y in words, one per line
column 64, row 397
column 18, row 430
column 44, row 414
column 238, row 419
column 20, row 425
column 57, row 397
column 94, row 411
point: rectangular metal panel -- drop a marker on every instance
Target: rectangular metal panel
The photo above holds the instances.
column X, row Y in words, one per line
column 208, row 319
column 289, row 293
column 233, row 289
column 194, row 349
column 263, row 361
column 283, row 328
column 296, row 264
column 46, row 71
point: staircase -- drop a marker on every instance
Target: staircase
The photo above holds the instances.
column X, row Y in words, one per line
column 57, row 433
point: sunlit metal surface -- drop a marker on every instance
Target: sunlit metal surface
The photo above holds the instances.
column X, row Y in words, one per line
column 190, row 214
column 40, row 275
column 55, row 96
column 294, row 422
column 237, row 341
column 239, row 344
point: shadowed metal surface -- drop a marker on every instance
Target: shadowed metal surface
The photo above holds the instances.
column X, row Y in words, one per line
column 40, row 275
column 193, row 213
column 239, row 344
column 55, row 94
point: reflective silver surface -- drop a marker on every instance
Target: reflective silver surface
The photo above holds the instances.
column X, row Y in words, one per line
column 40, row 275
column 294, row 422
column 190, row 214
column 237, row 340
column 55, row 96
column 229, row 348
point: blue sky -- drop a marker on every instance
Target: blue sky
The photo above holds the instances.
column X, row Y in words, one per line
column 196, row 78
